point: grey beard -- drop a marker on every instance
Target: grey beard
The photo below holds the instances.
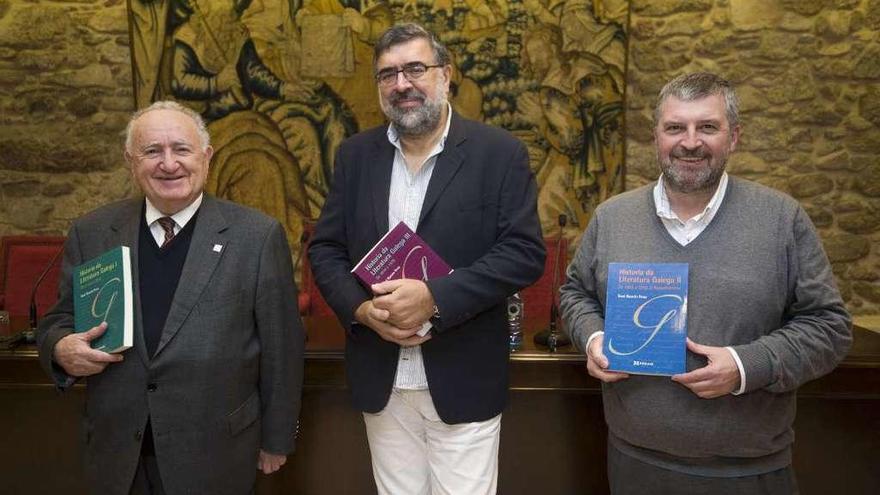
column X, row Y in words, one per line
column 418, row 121
column 706, row 179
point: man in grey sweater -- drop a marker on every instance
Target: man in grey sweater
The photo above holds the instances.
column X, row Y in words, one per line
column 764, row 315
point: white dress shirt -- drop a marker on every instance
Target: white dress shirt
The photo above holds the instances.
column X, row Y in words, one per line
column 181, row 218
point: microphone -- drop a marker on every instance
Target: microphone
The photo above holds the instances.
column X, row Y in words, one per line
column 551, row 337
column 32, row 313
column 28, row 336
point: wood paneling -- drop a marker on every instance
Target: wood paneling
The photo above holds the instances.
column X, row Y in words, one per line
column 553, row 431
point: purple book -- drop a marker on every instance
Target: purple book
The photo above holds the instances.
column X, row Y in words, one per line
column 401, row 253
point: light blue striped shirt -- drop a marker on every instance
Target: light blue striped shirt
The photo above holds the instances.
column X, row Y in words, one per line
column 405, row 205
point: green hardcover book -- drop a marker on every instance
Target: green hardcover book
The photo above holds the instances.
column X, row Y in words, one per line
column 102, row 292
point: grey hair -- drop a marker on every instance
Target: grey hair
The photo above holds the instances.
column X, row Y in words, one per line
column 197, row 119
column 697, row 85
column 402, row 33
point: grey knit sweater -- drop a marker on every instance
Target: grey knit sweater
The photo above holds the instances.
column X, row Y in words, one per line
column 759, row 281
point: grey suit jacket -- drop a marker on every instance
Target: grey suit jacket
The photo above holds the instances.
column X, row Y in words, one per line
column 226, row 378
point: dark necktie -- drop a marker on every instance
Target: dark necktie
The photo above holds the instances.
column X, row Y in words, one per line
column 167, row 224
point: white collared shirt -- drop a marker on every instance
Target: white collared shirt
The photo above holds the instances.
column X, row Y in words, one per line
column 181, row 218
column 686, row 231
column 405, row 200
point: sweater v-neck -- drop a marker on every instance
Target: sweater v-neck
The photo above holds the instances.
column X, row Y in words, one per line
column 694, row 244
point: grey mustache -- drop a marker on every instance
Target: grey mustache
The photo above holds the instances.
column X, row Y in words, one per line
column 409, row 93
column 683, row 153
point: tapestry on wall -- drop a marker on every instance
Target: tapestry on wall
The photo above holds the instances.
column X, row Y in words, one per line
column 282, row 83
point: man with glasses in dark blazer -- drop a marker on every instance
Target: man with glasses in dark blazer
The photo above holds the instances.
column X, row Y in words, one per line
column 432, row 404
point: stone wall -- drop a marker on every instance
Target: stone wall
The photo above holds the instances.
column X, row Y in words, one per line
column 65, row 94
column 807, row 73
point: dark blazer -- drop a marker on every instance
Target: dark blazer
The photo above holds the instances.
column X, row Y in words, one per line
column 226, row 377
column 480, row 215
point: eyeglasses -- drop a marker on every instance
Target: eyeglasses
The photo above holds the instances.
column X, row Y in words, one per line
column 411, row 71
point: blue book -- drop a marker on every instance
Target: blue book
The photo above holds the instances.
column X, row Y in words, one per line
column 646, row 318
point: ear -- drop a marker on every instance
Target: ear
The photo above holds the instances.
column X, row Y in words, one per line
column 129, row 159
column 734, row 138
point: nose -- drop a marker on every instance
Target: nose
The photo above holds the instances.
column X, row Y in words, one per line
column 401, row 82
column 691, row 139
column 169, row 160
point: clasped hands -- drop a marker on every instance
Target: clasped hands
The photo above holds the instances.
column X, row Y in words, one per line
column 719, row 377
column 398, row 310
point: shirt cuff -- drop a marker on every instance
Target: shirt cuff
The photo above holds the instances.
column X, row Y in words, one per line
column 742, row 372
column 590, row 340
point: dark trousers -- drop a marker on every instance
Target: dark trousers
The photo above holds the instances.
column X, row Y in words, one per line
column 146, row 479
column 630, row 476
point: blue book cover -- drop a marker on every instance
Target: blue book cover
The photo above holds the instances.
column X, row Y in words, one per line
column 646, row 318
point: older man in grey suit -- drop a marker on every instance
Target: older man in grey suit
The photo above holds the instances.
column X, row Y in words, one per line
column 211, row 390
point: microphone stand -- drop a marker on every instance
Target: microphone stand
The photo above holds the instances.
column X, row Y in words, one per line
column 303, row 243
column 29, row 336
column 551, row 337
column 302, row 292
column 32, row 316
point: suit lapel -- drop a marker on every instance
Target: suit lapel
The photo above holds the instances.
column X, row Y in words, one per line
column 380, row 166
column 201, row 260
column 126, row 232
column 448, row 163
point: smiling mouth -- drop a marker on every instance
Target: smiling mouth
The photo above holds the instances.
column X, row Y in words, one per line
column 690, row 159
column 408, row 102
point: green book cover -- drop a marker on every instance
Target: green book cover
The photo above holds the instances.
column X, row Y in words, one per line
column 102, row 292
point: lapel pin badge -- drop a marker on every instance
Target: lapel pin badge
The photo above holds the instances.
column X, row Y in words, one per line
column 218, row 248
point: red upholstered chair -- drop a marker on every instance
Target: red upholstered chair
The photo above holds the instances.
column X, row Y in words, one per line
column 22, row 261
column 311, row 302
column 538, row 296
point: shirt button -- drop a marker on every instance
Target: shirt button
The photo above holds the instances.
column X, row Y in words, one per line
column 151, row 387
column 138, row 435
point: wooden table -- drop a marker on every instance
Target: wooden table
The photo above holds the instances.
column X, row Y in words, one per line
column 553, row 431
